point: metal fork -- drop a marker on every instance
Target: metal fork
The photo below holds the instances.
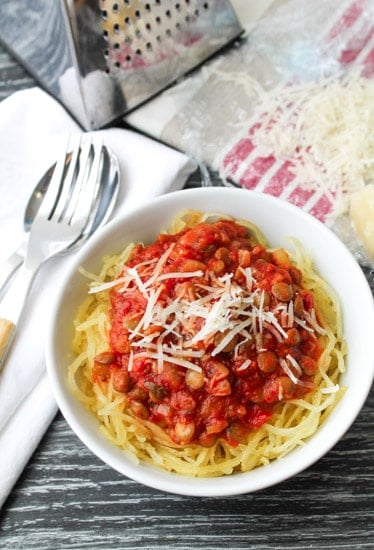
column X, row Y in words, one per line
column 66, row 210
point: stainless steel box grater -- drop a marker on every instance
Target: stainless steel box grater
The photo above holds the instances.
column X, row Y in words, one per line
column 103, row 58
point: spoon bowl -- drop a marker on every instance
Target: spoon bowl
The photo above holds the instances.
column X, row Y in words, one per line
column 36, row 198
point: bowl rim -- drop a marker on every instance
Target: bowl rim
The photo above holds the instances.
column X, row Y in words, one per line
column 295, row 462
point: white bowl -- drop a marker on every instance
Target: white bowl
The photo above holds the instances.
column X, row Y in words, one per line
column 278, row 220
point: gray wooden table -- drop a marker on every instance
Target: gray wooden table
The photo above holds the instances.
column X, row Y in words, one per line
column 67, row 498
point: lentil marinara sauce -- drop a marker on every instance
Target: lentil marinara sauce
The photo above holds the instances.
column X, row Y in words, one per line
column 209, row 331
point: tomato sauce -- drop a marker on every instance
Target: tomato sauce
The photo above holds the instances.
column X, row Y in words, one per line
column 199, row 386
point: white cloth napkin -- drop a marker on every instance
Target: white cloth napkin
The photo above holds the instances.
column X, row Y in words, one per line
column 33, row 129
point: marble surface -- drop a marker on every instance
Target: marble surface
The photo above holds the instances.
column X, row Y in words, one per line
column 68, row 499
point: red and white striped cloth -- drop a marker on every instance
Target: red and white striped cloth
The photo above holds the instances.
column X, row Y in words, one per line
column 241, row 161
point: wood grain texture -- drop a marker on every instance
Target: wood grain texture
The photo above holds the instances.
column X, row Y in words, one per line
column 12, row 76
column 68, row 499
column 6, row 331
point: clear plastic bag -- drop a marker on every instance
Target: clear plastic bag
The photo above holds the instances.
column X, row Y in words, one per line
column 297, row 43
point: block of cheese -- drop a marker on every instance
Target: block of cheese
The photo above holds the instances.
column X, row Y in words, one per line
column 362, row 216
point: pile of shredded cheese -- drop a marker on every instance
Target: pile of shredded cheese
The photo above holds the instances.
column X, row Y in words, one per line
column 325, row 129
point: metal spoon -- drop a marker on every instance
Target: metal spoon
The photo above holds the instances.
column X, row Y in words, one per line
column 108, row 196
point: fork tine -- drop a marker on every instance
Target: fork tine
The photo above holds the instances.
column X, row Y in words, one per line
column 90, row 191
column 69, row 177
column 84, row 163
column 54, row 188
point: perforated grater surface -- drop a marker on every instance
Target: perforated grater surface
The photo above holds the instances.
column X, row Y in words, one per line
column 103, row 58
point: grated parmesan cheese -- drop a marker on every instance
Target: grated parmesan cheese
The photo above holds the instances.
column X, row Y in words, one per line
column 325, row 130
column 223, row 308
